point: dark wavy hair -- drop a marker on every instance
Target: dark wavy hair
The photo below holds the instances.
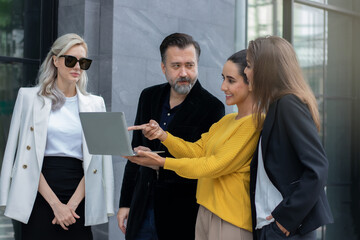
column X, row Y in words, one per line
column 239, row 58
column 180, row 40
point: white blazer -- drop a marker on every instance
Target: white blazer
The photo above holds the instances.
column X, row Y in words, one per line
column 24, row 154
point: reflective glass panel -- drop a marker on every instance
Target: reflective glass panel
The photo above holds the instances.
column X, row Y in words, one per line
column 310, row 43
column 264, row 18
column 340, row 56
column 343, row 4
column 341, row 188
column 11, row 28
column 18, row 19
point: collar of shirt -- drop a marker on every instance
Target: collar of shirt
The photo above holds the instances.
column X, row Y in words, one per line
column 168, row 114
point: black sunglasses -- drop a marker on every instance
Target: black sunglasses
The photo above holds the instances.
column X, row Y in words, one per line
column 70, row 62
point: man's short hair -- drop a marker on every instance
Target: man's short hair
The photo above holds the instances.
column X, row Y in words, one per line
column 180, row 40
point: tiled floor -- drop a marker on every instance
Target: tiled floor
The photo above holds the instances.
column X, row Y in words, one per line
column 6, row 228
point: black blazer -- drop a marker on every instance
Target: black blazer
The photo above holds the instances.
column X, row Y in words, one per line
column 174, row 197
column 296, row 164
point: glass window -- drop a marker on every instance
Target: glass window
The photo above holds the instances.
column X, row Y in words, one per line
column 310, row 43
column 264, row 18
column 340, row 51
column 18, row 19
column 15, row 75
column 12, row 28
column 340, row 189
column 347, row 4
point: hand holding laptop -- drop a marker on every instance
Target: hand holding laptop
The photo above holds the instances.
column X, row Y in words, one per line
column 151, row 130
column 142, row 148
column 147, row 159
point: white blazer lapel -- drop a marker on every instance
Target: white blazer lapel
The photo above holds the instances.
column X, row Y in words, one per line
column 41, row 112
column 84, row 106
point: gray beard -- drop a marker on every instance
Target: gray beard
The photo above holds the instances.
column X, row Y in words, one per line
column 182, row 89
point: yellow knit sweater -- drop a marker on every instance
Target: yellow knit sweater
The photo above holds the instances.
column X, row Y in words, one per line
column 220, row 159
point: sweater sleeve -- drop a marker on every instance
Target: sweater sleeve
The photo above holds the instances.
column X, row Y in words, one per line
column 216, row 154
column 180, row 148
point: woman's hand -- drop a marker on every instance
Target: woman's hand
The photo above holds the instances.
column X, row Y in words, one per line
column 286, row 232
column 151, row 130
column 67, row 212
column 71, row 205
column 147, row 159
column 142, row 148
column 64, row 215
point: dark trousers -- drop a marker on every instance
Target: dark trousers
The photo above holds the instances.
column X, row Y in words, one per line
column 17, row 229
column 63, row 175
column 273, row 232
column 148, row 229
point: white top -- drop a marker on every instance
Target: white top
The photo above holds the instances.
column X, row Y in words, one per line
column 267, row 197
column 64, row 134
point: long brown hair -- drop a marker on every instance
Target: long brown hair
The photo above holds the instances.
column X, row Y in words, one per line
column 276, row 72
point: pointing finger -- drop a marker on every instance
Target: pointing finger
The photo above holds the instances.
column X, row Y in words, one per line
column 138, row 127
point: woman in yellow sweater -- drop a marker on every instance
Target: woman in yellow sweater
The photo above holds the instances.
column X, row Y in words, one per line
column 220, row 160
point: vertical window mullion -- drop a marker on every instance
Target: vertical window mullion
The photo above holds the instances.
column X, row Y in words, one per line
column 288, row 16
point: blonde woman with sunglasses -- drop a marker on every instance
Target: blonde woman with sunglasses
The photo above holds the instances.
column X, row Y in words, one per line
column 47, row 170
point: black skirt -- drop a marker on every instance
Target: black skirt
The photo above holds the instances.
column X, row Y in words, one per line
column 63, row 175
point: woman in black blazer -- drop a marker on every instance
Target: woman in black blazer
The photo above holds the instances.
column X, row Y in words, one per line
column 289, row 168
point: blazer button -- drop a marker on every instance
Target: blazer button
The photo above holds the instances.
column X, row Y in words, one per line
column 95, row 171
column 24, row 166
column 31, row 129
column 28, row 147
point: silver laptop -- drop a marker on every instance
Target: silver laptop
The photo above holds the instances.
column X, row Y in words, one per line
column 106, row 133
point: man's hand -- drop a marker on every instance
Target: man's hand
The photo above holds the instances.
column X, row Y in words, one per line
column 122, row 216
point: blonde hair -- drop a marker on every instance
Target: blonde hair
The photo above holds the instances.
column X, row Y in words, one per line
column 276, row 72
column 48, row 72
